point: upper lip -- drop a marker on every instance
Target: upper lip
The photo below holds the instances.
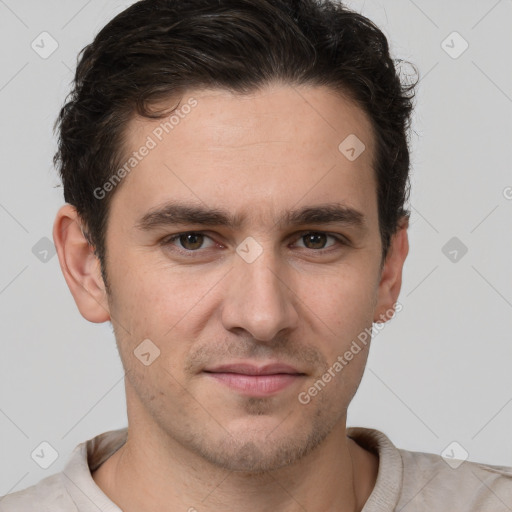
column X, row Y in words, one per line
column 251, row 369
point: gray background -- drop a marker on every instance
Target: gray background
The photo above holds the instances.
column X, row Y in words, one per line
column 438, row 372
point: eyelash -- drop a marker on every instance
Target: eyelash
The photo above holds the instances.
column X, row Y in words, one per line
column 169, row 241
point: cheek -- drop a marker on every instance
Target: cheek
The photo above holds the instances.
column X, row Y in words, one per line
column 339, row 309
column 340, row 300
column 156, row 298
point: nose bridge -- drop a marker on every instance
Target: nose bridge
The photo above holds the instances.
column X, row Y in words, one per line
column 259, row 300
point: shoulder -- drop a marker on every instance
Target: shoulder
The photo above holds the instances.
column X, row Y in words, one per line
column 48, row 495
column 431, row 482
column 73, row 488
column 412, row 481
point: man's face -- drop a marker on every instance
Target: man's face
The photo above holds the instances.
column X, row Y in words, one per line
column 263, row 292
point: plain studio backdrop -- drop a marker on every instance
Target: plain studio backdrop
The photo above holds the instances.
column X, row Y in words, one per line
column 438, row 373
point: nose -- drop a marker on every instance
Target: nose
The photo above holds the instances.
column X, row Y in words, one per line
column 259, row 298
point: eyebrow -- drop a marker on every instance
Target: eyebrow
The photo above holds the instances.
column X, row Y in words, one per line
column 175, row 213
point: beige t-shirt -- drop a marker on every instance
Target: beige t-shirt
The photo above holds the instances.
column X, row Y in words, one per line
column 407, row 481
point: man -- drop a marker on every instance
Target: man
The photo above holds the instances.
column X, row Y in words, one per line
column 235, row 175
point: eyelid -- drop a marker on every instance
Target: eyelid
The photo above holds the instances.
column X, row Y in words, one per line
column 168, row 240
column 342, row 240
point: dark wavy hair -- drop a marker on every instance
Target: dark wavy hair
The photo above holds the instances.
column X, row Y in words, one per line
column 157, row 49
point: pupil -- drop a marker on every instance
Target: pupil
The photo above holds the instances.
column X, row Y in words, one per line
column 191, row 241
column 311, row 238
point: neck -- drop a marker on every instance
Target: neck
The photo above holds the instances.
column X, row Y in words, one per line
column 150, row 473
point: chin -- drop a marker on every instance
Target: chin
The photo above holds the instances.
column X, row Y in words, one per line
column 259, row 451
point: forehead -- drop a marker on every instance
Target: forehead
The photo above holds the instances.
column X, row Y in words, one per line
column 253, row 154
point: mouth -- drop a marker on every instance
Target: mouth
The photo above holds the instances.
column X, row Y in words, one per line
column 257, row 381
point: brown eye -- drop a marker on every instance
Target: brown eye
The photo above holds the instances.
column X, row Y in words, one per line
column 191, row 241
column 318, row 241
column 315, row 240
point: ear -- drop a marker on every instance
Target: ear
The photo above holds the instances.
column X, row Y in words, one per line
column 80, row 266
column 391, row 274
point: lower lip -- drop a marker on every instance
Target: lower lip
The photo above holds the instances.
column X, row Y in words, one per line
column 256, row 385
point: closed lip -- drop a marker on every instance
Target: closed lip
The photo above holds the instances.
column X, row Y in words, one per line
column 251, row 369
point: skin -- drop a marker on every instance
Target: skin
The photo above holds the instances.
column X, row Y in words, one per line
column 193, row 441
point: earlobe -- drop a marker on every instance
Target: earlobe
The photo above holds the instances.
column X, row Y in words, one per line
column 80, row 266
column 391, row 275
